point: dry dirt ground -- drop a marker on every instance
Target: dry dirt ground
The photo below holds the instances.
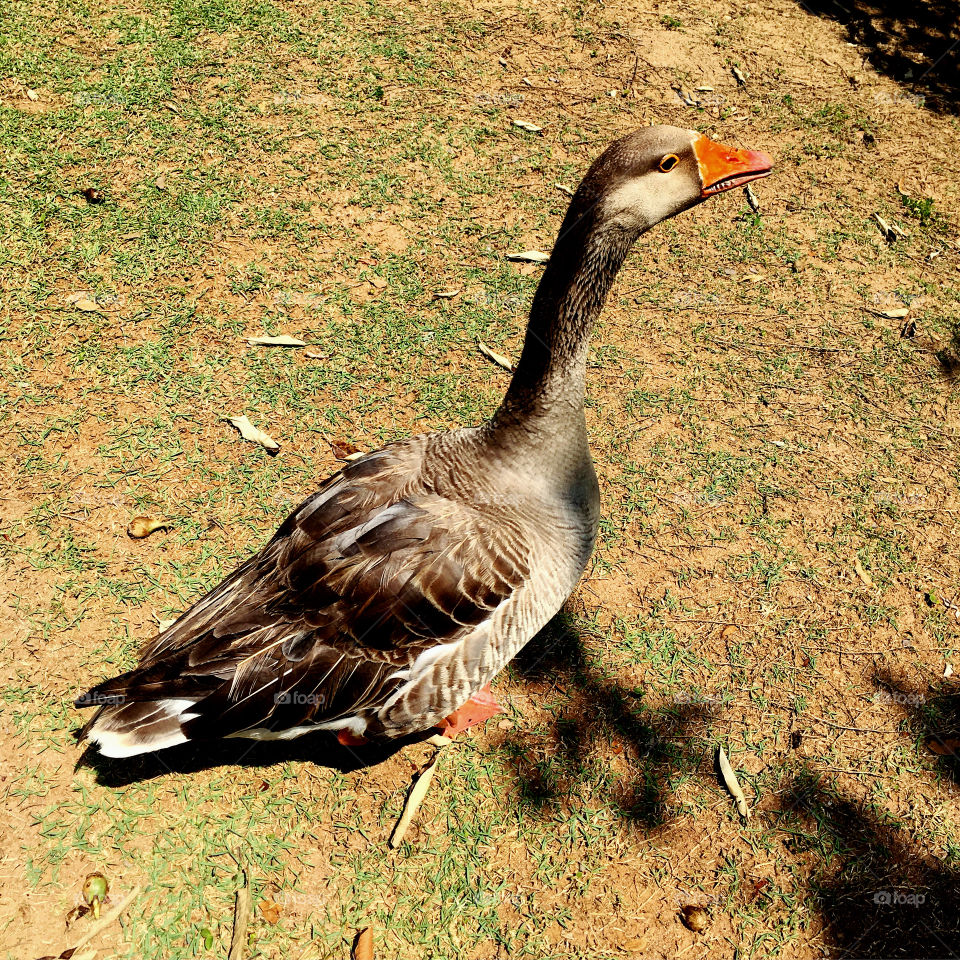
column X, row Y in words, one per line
column 773, row 408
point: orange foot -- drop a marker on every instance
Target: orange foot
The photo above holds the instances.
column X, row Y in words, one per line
column 481, row 706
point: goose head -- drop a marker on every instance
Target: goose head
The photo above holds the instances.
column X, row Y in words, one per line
column 657, row 172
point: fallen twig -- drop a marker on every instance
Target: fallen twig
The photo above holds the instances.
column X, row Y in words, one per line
column 241, row 917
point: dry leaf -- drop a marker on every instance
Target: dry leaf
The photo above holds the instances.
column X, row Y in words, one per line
column 363, row 945
column 529, row 256
column 249, row 432
column 948, row 671
column 344, row 450
column 140, row 527
column 695, row 918
column 944, row 748
column 165, row 624
column 732, row 783
column 526, row 125
column 729, row 632
column 313, row 355
column 414, row 800
column 270, row 911
column 890, row 231
column 861, row 573
column 752, row 200
column 161, row 182
column 446, row 294
column 739, row 76
column 563, row 188
column 281, row 340
column 899, row 313
column 81, row 301
column 33, row 96
column 498, row 358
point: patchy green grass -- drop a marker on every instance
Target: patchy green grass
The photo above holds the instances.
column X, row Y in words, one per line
column 777, row 568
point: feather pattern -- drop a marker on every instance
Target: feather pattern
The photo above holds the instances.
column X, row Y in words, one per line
column 415, row 573
column 388, row 597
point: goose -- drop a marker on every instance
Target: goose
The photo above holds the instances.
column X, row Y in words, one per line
column 387, row 601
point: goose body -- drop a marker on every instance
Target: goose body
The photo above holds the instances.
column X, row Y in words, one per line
column 397, row 591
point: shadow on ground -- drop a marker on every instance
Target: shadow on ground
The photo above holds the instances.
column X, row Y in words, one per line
column 320, row 748
column 595, row 720
column 879, row 895
column 917, row 44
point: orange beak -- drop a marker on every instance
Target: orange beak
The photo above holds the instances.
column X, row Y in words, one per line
column 725, row 168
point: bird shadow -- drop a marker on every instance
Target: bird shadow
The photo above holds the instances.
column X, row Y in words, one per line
column 597, row 724
column 321, row 749
column 916, row 44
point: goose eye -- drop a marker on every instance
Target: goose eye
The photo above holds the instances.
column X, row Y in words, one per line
column 669, row 162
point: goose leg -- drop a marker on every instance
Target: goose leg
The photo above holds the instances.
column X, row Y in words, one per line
column 481, row 706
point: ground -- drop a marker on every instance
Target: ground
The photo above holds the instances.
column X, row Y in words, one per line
column 773, row 409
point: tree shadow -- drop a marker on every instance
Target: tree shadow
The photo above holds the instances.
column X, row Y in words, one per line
column 932, row 716
column 599, row 723
column 878, row 895
column 916, row 44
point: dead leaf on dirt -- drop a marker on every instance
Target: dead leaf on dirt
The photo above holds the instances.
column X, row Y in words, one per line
column 529, row 256
column 898, row 313
column 446, row 294
column 861, row 573
column 752, row 200
column 758, row 887
column 498, row 358
column 81, row 301
column 363, row 945
column 165, row 624
column 33, row 96
column 249, row 432
column 313, row 355
column 944, row 748
column 729, row 632
column 526, row 125
column 270, row 911
column 695, row 918
column 947, row 671
column 161, row 182
column 281, row 340
column 732, row 783
column 563, row 188
column 890, row 231
column 636, row 945
column 739, row 76
column 417, row 793
column 140, row 527
column 344, row 450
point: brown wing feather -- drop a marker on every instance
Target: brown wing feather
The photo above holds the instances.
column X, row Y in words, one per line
column 360, row 579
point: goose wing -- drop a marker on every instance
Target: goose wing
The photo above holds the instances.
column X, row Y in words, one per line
column 370, row 573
